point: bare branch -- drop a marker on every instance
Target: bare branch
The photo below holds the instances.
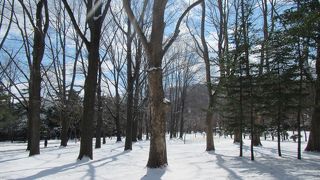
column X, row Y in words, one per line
column 74, row 22
column 177, row 31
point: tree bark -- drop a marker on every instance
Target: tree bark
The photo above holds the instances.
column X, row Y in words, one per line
column 90, row 95
column 99, row 111
column 314, row 136
column 209, row 135
column 35, row 78
column 128, row 141
column 237, row 135
column 95, row 24
column 155, row 53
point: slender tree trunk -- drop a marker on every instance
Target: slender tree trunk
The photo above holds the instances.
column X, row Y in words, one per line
column 137, row 127
column 35, row 79
column 210, row 144
column 241, row 111
column 99, row 111
column 279, row 110
column 136, row 117
column 104, row 137
column 314, row 136
column 130, row 83
column 148, row 120
column 64, row 118
column 117, row 118
column 183, row 97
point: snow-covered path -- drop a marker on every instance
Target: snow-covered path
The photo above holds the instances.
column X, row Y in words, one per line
column 186, row 161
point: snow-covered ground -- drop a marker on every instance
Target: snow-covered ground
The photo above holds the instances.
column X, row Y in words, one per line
column 186, row 161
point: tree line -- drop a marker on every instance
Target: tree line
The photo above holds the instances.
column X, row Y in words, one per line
column 97, row 68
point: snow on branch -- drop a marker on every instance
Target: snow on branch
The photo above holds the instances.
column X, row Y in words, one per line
column 154, row 69
column 166, row 101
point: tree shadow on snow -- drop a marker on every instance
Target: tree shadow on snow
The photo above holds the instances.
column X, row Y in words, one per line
column 154, row 174
column 221, row 162
column 264, row 164
column 91, row 172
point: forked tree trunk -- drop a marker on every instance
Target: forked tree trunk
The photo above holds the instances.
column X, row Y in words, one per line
column 35, row 78
column 155, row 52
column 90, row 96
column 95, row 23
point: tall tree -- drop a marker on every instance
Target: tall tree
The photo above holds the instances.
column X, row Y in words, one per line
column 40, row 30
column 96, row 13
column 312, row 23
column 99, row 110
column 155, row 51
column 210, row 144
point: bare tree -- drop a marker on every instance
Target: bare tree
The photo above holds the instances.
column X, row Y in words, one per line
column 115, row 78
column 96, row 13
column 155, row 51
column 5, row 27
column 40, row 31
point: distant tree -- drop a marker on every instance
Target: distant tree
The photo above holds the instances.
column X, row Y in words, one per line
column 114, row 78
column 55, row 76
column 7, row 113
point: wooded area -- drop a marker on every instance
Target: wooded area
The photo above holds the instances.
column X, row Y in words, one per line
column 138, row 70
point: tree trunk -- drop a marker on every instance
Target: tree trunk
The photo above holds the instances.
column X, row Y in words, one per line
column 158, row 152
column 256, row 133
column 210, row 144
column 237, row 135
column 137, row 123
column 35, row 79
column 117, row 118
column 95, row 23
column 104, row 138
column 314, row 136
column 64, row 130
column 155, row 52
column 183, row 97
column 90, row 94
column 130, row 83
column 140, row 126
column 99, row 111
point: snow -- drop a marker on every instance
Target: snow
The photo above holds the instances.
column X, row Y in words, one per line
column 97, row 17
column 154, row 69
column 166, row 101
column 186, row 161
